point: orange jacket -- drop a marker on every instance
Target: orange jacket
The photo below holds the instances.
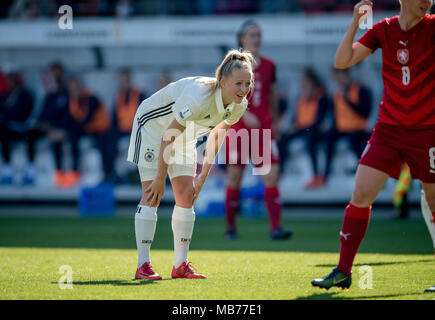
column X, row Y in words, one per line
column 126, row 110
column 346, row 119
column 307, row 109
column 95, row 121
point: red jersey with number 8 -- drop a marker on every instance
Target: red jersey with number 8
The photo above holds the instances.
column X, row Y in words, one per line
column 408, row 70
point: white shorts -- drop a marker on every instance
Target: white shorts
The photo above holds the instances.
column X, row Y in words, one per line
column 174, row 170
column 144, row 148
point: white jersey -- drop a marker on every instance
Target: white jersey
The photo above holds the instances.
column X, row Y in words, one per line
column 190, row 103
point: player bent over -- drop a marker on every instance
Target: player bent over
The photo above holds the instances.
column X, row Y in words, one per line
column 163, row 140
column 405, row 130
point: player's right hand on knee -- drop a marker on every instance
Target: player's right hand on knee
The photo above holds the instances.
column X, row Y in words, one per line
column 155, row 192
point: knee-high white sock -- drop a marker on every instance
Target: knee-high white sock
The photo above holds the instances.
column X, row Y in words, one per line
column 183, row 220
column 428, row 218
column 145, row 222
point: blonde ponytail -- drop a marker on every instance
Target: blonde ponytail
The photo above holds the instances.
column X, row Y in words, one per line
column 234, row 59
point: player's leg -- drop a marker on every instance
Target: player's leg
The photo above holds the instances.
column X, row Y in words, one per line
column 145, row 221
column 5, row 140
column 274, row 204
column 331, row 139
column 312, row 138
column 183, row 219
column 368, row 183
column 232, row 201
column 428, row 211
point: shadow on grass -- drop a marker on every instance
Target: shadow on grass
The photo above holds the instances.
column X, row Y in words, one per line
column 378, row 263
column 336, row 296
column 383, row 236
column 131, row 282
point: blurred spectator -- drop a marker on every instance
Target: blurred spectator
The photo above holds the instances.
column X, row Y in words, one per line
column 352, row 106
column 3, row 83
column 128, row 99
column 237, row 6
column 206, row 7
column 124, row 9
column 24, row 9
column 54, row 119
column 88, row 118
column 163, row 79
column 309, row 114
column 16, row 108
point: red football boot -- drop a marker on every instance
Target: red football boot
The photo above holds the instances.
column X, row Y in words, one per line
column 185, row 270
column 146, row 272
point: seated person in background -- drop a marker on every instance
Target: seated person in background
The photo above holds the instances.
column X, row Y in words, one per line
column 310, row 112
column 54, row 119
column 127, row 101
column 16, row 108
column 89, row 117
column 352, row 106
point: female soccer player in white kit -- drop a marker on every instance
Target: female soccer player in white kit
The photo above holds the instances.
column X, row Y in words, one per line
column 163, row 140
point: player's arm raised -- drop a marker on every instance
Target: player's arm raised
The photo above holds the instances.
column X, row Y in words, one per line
column 348, row 52
column 214, row 142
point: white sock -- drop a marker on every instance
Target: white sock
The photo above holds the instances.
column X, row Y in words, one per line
column 145, row 222
column 183, row 220
column 427, row 215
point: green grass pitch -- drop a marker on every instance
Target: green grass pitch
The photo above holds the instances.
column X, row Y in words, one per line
column 102, row 255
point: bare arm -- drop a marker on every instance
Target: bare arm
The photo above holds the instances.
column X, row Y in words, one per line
column 214, row 143
column 350, row 53
column 157, row 187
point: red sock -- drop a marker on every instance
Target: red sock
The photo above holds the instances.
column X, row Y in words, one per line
column 232, row 205
column 273, row 204
column 355, row 223
column 433, row 216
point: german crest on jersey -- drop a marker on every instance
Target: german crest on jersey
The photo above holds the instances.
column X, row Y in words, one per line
column 226, row 115
column 149, row 155
column 403, row 56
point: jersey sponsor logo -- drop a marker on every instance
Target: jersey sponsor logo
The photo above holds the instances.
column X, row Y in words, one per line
column 185, row 113
column 403, row 43
column 403, row 56
column 149, row 155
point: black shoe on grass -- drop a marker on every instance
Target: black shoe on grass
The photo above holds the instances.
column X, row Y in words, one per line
column 335, row 279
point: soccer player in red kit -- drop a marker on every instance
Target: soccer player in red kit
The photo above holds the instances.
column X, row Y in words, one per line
column 262, row 114
column 405, row 130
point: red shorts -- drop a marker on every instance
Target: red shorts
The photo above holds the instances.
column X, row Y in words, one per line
column 257, row 145
column 390, row 146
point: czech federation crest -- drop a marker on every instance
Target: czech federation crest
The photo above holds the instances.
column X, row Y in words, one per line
column 403, row 56
column 149, row 155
